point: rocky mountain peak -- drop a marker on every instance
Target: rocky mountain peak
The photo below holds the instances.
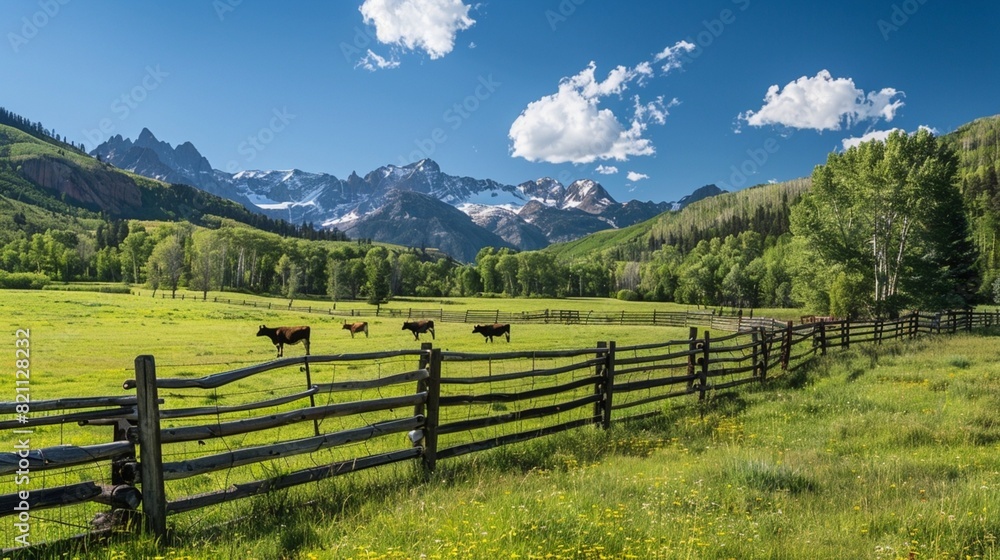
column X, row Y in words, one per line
column 419, row 195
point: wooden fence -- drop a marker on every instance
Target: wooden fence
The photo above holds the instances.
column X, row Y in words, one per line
column 381, row 408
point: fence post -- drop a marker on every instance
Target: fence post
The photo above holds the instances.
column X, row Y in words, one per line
column 692, row 346
column 312, row 397
column 425, row 360
column 755, row 339
column 433, row 410
column 609, row 385
column 822, row 338
column 847, row 333
column 154, row 499
column 703, row 377
column 765, row 349
column 786, row 346
column 599, row 385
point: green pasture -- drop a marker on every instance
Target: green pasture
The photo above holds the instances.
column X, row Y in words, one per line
column 886, row 453
column 85, row 343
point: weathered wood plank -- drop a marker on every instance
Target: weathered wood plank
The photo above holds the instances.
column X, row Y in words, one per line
column 222, row 429
column 521, row 374
column 654, row 383
column 217, row 380
column 154, row 495
column 69, row 403
column 527, row 414
column 455, row 400
column 51, row 419
column 63, row 456
column 210, row 463
column 672, row 394
column 12, row 504
column 247, row 489
column 466, row 357
column 652, row 346
column 646, row 369
column 728, row 359
column 660, row 358
column 217, row 410
column 387, row 381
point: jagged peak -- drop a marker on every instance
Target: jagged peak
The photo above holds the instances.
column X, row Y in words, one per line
column 428, row 165
column 146, row 136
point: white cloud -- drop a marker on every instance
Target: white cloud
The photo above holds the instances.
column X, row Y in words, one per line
column 879, row 135
column 633, row 176
column 606, row 169
column 672, row 55
column 570, row 126
column 427, row 25
column 823, row 103
column 930, row 129
column 372, row 62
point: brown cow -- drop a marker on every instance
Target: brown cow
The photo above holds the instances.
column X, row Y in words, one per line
column 281, row 336
column 417, row 327
column 357, row 327
column 489, row 331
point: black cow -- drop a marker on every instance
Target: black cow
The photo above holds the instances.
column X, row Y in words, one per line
column 281, row 336
column 357, row 327
column 489, row 331
column 418, row 327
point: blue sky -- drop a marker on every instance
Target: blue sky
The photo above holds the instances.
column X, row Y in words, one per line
column 651, row 98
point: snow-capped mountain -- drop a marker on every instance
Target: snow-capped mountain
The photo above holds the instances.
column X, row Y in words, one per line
column 543, row 210
column 508, row 224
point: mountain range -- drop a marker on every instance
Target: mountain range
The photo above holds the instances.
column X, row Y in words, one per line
column 414, row 205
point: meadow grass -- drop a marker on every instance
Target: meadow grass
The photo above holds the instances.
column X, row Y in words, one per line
column 887, row 452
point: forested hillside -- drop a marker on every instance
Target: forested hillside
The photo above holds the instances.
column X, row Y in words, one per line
column 763, row 209
column 978, row 147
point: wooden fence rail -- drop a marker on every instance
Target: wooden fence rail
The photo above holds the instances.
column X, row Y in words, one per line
column 447, row 403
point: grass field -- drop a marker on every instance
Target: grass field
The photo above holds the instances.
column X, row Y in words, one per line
column 888, row 454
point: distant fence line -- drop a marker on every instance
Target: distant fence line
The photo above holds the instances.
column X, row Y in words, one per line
column 717, row 321
column 448, row 404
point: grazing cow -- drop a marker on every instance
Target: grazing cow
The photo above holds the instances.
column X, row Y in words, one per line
column 489, row 331
column 281, row 336
column 418, row 327
column 357, row 327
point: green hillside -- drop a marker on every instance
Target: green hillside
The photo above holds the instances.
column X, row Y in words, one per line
column 978, row 147
column 765, row 210
column 55, row 177
column 762, row 208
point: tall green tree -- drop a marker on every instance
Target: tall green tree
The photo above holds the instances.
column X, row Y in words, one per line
column 378, row 273
column 878, row 209
column 166, row 264
column 205, row 272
